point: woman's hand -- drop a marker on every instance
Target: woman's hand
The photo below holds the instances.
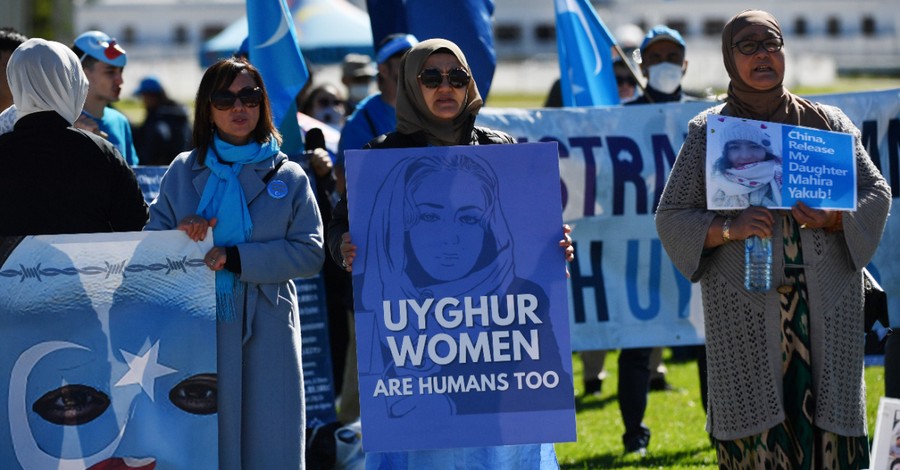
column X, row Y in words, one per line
column 566, row 243
column 754, row 220
column 808, row 217
column 348, row 252
column 215, row 258
column 320, row 162
column 195, row 226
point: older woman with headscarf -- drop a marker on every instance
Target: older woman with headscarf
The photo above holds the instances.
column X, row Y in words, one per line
column 785, row 366
column 437, row 102
column 55, row 178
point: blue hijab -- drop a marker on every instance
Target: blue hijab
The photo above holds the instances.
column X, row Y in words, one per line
column 223, row 198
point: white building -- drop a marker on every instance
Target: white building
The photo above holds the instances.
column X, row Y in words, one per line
column 822, row 37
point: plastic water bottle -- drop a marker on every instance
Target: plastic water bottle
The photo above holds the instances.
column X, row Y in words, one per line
column 758, row 264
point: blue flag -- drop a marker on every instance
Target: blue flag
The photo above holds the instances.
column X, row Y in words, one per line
column 274, row 51
column 585, row 57
column 469, row 27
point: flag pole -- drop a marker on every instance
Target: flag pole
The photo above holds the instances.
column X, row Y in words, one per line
column 634, row 73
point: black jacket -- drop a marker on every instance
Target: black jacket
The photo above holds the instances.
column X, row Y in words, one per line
column 56, row 179
column 339, row 223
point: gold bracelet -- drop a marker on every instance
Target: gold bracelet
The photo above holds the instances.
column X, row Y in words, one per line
column 726, row 230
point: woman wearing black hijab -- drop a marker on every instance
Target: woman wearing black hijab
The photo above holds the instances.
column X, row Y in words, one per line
column 785, row 366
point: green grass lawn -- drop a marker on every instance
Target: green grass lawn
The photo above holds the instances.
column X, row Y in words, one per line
column 675, row 418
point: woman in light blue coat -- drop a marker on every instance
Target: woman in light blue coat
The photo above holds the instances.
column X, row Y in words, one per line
column 267, row 231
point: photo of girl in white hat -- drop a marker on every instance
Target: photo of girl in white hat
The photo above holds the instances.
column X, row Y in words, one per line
column 749, row 172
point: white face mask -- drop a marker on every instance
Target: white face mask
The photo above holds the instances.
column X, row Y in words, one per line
column 358, row 92
column 665, row 77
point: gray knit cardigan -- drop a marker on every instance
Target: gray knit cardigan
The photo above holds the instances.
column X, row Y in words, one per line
column 743, row 331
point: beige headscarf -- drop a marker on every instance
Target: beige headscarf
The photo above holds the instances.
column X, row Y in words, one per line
column 46, row 76
column 774, row 105
column 413, row 114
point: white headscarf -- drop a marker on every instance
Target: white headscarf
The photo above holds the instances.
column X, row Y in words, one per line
column 46, row 76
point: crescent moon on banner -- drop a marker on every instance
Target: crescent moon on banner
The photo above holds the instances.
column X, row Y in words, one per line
column 283, row 28
column 26, row 448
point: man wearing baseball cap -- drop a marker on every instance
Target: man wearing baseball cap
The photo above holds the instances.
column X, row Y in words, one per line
column 663, row 63
column 103, row 61
column 357, row 74
column 375, row 115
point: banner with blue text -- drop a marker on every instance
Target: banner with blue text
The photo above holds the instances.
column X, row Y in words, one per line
column 624, row 291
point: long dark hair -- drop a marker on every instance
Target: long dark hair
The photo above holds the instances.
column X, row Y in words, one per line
column 219, row 77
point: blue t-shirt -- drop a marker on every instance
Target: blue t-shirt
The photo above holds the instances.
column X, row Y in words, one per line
column 371, row 118
column 118, row 129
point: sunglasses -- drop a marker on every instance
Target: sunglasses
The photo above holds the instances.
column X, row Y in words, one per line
column 623, row 80
column 433, row 78
column 223, row 100
column 749, row 46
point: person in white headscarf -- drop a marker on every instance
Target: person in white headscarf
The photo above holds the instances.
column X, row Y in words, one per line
column 55, row 178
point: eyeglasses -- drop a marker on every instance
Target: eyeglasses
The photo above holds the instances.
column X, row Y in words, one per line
column 223, row 100
column 749, row 46
column 433, row 78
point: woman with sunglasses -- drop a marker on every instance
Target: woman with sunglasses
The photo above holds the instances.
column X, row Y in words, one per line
column 267, row 231
column 437, row 102
column 784, row 366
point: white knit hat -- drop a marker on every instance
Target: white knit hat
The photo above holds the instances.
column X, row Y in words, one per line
column 748, row 132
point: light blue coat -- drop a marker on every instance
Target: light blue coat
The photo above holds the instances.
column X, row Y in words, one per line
column 260, row 401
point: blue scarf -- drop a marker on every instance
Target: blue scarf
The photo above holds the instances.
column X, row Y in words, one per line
column 223, row 198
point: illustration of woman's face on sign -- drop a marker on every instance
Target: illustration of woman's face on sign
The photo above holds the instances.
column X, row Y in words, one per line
column 447, row 235
column 92, row 386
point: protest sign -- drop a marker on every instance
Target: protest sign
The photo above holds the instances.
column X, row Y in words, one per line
column 757, row 163
column 614, row 162
column 459, row 286
column 109, row 352
column 886, row 442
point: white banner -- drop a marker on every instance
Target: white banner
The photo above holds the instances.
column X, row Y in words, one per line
column 624, row 291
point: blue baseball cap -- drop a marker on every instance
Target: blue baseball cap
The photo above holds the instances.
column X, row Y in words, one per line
column 100, row 46
column 398, row 43
column 149, row 84
column 661, row 33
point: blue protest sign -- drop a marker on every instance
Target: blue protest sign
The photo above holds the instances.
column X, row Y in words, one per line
column 460, row 291
column 819, row 168
column 756, row 163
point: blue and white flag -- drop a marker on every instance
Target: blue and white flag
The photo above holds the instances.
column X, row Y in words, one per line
column 469, row 27
column 585, row 57
column 274, row 51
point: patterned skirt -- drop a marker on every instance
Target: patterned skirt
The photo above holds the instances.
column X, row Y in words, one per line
column 795, row 443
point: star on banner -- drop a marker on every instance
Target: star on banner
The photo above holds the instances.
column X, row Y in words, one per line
column 144, row 369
